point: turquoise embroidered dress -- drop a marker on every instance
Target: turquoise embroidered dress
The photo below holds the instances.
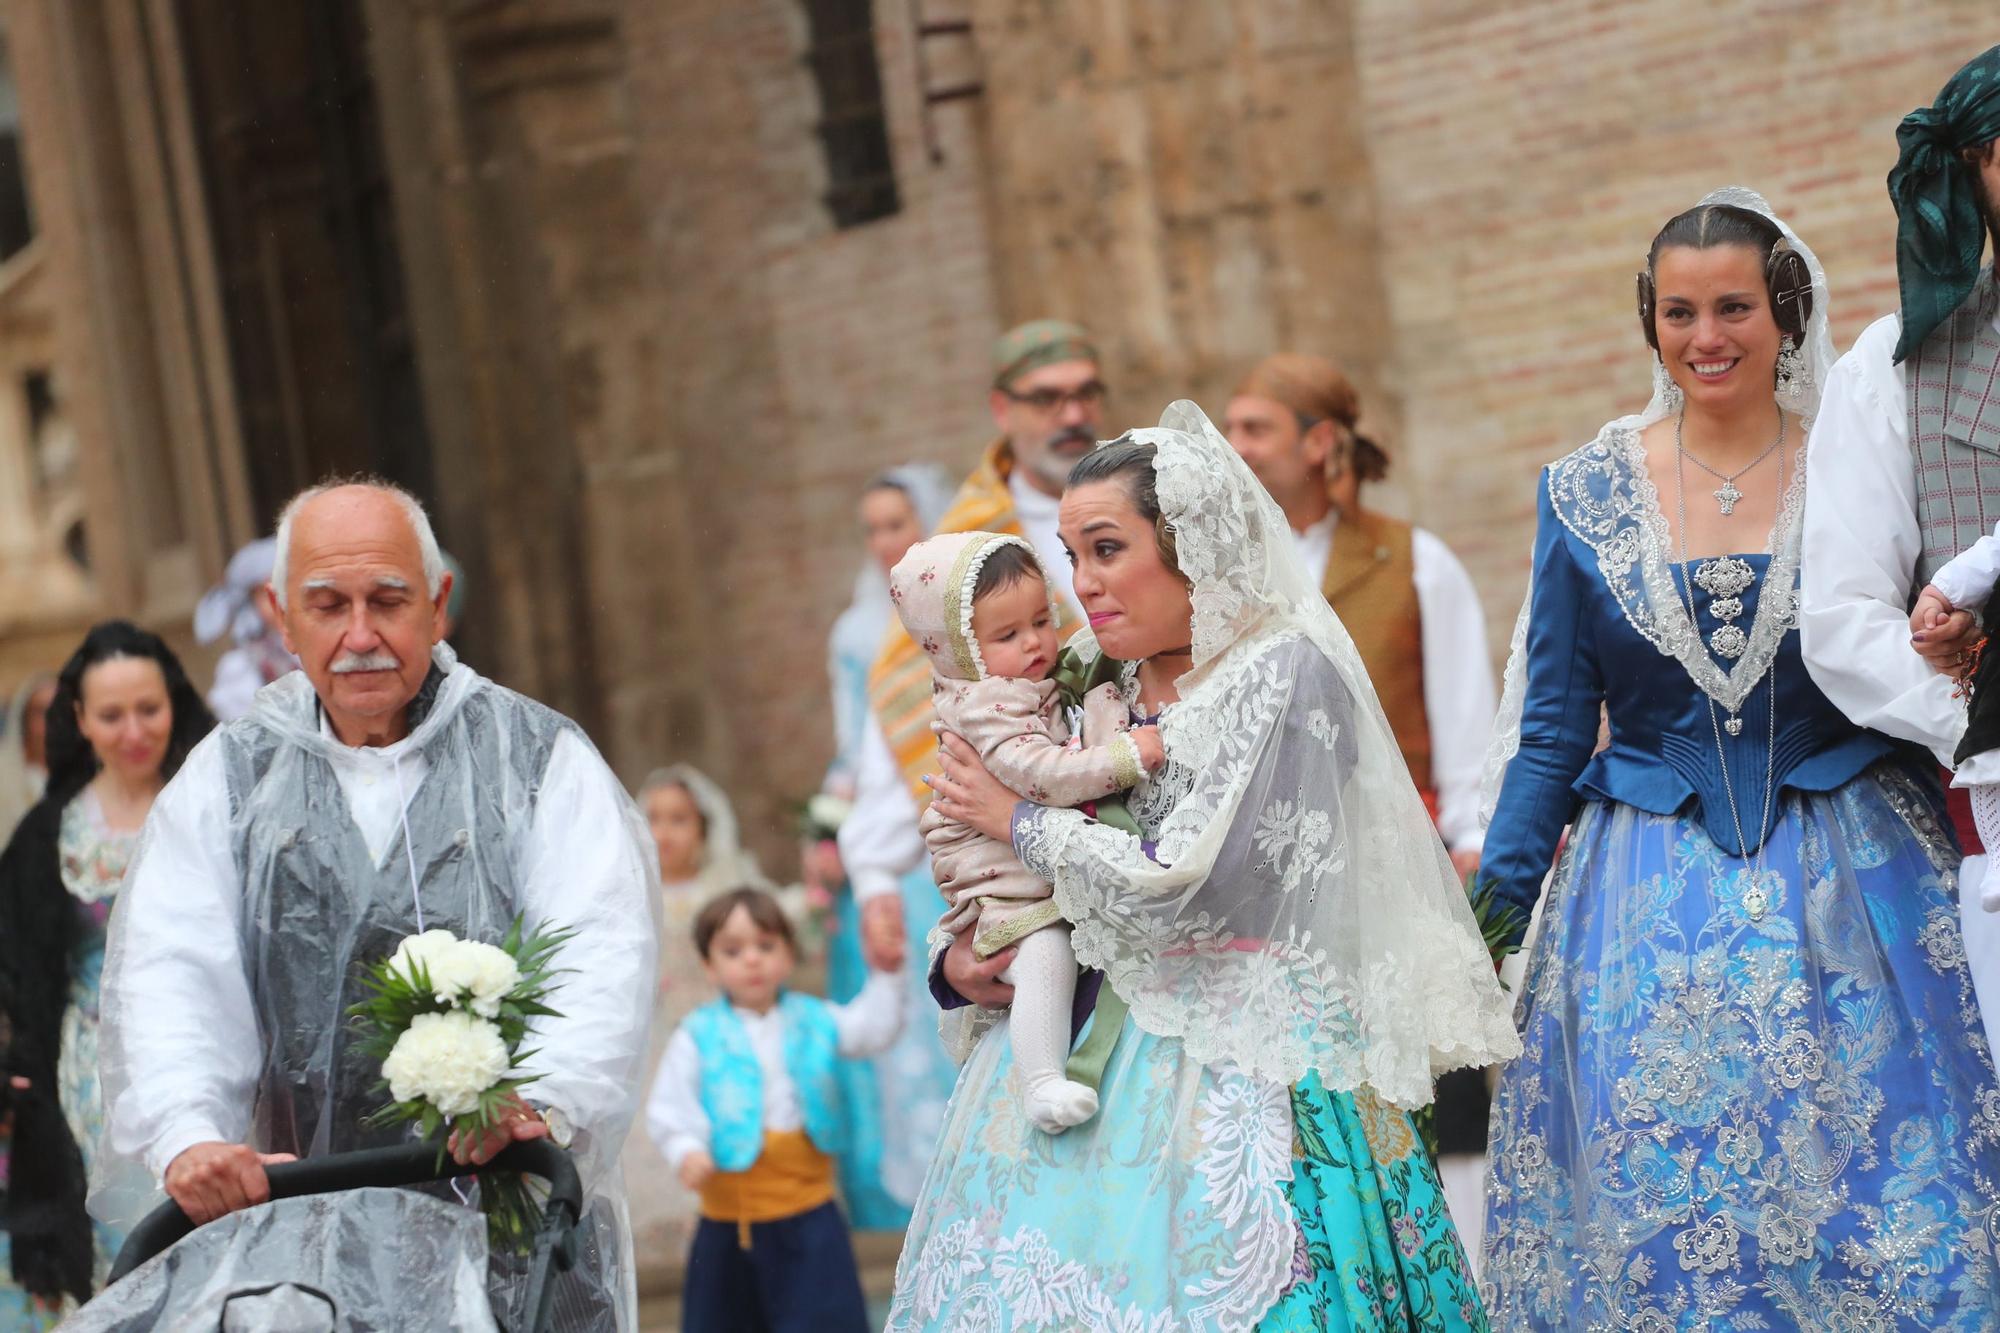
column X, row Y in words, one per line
column 1755, row 1092
column 1284, row 923
column 1197, row 1198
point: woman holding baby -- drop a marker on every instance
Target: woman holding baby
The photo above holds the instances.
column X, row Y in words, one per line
column 1283, row 942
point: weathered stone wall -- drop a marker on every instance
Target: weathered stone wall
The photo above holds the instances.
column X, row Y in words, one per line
column 659, row 375
column 1192, row 181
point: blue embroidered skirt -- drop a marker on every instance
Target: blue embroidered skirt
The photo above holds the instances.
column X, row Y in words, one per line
column 1749, row 1100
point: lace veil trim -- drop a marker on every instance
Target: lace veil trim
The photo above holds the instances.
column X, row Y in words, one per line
column 1302, row 915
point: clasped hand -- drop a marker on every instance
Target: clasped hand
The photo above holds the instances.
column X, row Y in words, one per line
column 1943, row 635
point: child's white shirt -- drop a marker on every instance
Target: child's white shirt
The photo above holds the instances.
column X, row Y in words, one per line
column 1967, row 579
column 866, row 1025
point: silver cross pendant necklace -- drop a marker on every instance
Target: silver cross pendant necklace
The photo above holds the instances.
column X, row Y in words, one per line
column 1727, row 494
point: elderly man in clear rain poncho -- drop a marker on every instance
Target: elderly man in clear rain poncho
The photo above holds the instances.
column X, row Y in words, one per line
column 383, row 790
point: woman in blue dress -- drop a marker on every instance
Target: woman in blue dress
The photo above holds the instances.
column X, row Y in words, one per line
column 123, row 718
column 1284, row 946
column 1755, row 1093
column 898, row 509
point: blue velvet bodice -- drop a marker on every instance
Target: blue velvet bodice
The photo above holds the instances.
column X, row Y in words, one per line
column 1582, row 652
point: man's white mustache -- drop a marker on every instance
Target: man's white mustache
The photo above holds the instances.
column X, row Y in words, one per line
column 349, row 663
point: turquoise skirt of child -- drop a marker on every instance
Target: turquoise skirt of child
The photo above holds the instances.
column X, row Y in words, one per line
column 1197, row 1198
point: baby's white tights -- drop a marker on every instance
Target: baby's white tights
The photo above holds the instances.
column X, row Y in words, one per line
column 1043, row 975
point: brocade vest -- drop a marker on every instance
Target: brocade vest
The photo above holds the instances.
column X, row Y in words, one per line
column 732, row 1082
column 1953, row 387
column 318, row 910
column 1371, row 585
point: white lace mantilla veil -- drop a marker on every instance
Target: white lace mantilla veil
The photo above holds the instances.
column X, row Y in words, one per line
column 1302, row 915
column 1603, row 494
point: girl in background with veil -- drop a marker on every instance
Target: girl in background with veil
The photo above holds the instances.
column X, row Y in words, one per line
column 1285, row 948
column 1755, row 1093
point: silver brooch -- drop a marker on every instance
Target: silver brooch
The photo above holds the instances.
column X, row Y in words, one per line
column 1729, row 641
column 1725, row 576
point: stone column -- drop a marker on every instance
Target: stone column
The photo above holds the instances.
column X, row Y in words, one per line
column 141, row 364
column 1191, row 181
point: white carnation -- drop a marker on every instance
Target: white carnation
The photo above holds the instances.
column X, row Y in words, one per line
column 479, row 973
column 425, row 951
column 447, row 1060
column 462, row 973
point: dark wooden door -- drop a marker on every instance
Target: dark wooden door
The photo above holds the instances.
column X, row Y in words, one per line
column 312, row 284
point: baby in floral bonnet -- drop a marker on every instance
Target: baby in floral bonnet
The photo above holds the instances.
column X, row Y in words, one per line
column 981, row 607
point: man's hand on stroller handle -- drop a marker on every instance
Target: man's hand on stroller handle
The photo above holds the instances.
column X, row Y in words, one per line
column 211, row 1180
column 517, row 1123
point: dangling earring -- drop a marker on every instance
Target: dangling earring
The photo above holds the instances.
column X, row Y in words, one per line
column 1794, row 375
column 1664, row 389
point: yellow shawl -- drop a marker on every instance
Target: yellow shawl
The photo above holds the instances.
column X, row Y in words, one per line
column 899, row 686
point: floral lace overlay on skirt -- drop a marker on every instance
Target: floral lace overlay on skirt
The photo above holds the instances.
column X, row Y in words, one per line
column 1750, row 1101
column 1197, row 1199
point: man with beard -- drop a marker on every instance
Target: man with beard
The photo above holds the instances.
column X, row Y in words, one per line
column 1903, row 471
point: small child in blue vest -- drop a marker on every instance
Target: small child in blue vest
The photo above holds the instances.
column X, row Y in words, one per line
column 747, row 1109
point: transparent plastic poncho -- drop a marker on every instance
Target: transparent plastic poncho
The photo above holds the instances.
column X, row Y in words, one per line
column 280, row 863
column 375, row 1258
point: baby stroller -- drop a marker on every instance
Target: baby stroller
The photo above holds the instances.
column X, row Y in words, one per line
column 341, row 1246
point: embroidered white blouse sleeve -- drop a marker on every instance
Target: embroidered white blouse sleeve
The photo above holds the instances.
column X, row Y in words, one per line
column 879, row 841
column 1459, row 701
column 869, row 1023
column 1859, row 558
column 1967, row 579
column 675, row 1120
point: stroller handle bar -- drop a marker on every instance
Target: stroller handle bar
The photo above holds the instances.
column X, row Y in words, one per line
column 403, row 1164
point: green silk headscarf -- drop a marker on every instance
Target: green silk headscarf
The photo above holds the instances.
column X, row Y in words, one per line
column 1940, row 231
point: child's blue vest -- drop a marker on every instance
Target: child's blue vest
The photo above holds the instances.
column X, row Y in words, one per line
column 732, row 1083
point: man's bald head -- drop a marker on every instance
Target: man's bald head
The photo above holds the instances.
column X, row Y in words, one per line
column 361, row 588
column 366, row 501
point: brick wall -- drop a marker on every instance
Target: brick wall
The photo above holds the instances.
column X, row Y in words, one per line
column 1192, row 181
column 802, row 359
column 1524, row 154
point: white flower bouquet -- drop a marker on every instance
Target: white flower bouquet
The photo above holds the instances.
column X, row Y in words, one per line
column 447, row 1018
